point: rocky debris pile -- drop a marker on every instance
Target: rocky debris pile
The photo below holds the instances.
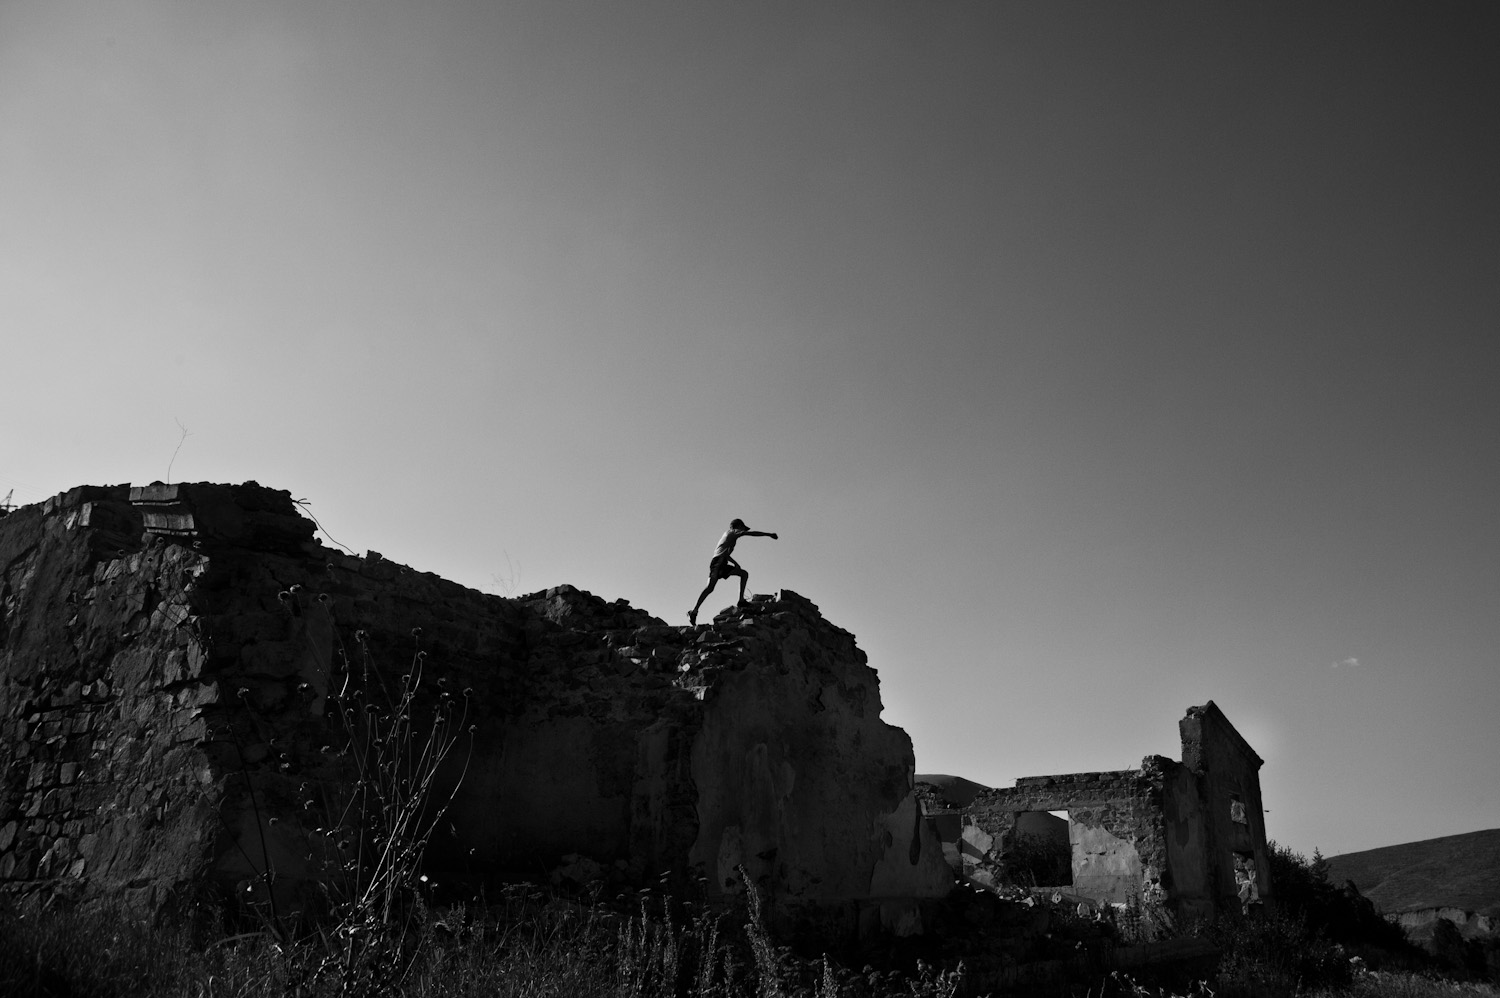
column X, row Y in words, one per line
column 575, row 609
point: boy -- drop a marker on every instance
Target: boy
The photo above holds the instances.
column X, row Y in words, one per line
column 722, row 566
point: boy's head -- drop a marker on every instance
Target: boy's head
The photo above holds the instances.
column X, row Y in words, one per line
column 737, row 525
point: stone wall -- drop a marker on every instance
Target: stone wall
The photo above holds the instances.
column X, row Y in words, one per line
column 1188, row 834
column 167, row 655
column 1114, row 831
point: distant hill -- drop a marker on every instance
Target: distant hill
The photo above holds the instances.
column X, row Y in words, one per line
column 955, row 789
column 1455, row 871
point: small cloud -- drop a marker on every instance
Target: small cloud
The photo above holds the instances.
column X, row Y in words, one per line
column 1346, row 662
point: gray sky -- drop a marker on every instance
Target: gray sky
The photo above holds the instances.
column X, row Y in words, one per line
column 1092, row 361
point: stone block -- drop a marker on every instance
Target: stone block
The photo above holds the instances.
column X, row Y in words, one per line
column 155, row 492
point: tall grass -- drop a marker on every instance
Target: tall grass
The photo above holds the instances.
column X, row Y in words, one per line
column 381, row 799
column 1407, row 984
column 382, row 824
column 526, row 943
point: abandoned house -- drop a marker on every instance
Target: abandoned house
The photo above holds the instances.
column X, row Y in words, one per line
column 1189, row 834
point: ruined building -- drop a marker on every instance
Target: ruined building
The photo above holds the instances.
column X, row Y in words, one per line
column 168, row 661
column 172, row 658
column 1188, row 834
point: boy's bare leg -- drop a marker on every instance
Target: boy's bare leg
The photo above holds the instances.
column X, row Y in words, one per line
column 693, row 613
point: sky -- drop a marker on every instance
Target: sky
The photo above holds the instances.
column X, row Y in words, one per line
column 1092, row 361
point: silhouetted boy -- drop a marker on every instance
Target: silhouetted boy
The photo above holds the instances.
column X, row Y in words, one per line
column 722, row 566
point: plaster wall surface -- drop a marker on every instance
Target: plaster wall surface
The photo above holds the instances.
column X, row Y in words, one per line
column 1105, row 866
column 1187, row 842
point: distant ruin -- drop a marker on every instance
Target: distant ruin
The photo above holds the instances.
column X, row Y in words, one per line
column 1188, row 835
column 165, row 660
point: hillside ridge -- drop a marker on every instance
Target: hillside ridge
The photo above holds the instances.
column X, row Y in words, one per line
column 1452, row 871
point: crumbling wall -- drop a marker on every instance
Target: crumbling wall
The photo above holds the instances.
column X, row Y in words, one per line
column 1189, row 834
column 121, row 710
column 1236, row 868
column 753, row 743
column 166, row 658
column 1114, row 829
column 800, row 782
column 557, row 770
column 1189, row 871
column 104, row 778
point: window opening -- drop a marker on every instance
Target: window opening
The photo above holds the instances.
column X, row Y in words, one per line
column 1038, row 851
column 1245, row 880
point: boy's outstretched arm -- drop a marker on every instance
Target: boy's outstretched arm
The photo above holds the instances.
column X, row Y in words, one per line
column 760, row 533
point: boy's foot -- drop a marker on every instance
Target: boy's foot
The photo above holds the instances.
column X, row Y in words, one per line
column 693, row 617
